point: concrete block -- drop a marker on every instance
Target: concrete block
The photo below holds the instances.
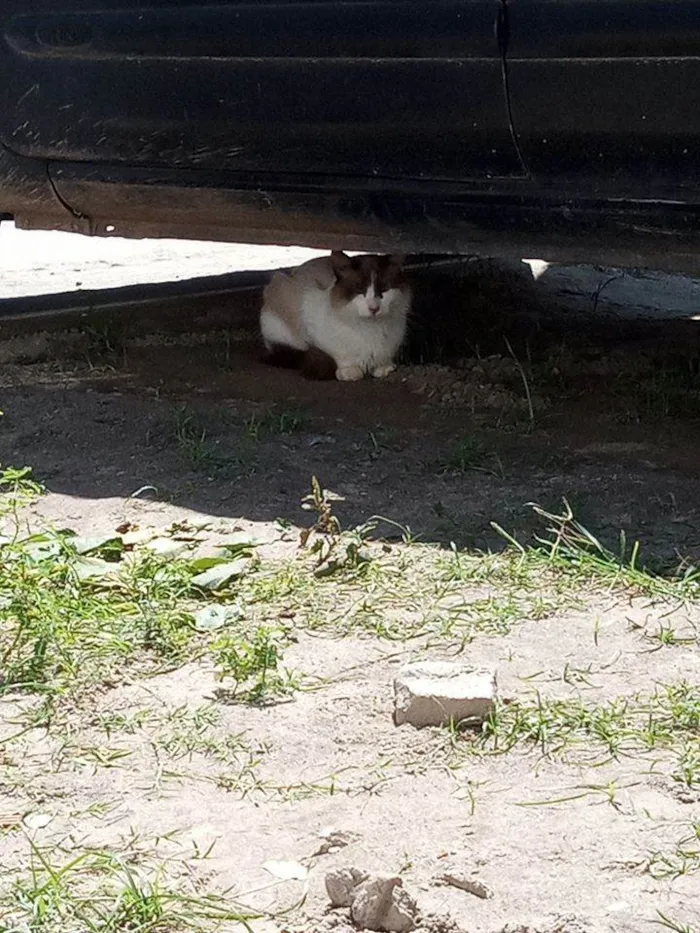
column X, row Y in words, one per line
column 431, row 693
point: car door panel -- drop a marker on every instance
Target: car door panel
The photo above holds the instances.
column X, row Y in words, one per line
column 605, row 94
column 390, row 88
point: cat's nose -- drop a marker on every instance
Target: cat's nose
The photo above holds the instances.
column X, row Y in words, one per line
column 373, row 308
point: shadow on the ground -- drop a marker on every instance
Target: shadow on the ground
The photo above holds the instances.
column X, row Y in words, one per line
column 443, row 451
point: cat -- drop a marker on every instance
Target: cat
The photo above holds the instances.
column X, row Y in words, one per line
column 337, row 317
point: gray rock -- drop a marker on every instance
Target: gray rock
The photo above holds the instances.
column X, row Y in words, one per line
column 341, row 884
column 380, row 903
column 376, row 902
column 465, row 882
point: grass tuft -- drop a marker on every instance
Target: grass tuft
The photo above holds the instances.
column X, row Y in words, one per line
column 469, row 455
column 276, row 421
column 67, row 622
column 18, row 488
column 684, row 859
column 568, row 547
column 668, row 721
column 100, row 891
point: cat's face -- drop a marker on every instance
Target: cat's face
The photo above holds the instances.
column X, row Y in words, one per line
column 367, row 284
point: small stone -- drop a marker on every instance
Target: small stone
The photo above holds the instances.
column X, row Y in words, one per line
column 341, row 884
column 434, row 693
column 438, row 923
column 380, row 903
column 332, row 840
column 376, row 902
column 37, row 820
column 466, row 883
column 402, row 914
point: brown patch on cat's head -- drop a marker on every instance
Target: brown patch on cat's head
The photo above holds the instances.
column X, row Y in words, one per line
column 354, row 275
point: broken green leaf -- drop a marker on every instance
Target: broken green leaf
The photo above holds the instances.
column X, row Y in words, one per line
column 167, row 547
column 42, row 547
column 109, row 544
column 240, row 542
column 92, row 568
column 220, row 574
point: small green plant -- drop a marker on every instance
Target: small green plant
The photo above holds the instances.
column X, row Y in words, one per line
column 321, row 501
column 252, row 662
column 684, row 859
column 105, row 341
column 666, row 636
column 469, row 455
column 687, row 770
column 275, row 421
column 18, row 488
column 193, row 731
column 333, row 550
column 192, row 438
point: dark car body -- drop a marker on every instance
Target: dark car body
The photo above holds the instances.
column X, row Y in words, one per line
column 563, row 129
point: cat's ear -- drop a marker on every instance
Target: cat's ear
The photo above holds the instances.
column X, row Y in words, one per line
column 339, row 261
column 397, row 259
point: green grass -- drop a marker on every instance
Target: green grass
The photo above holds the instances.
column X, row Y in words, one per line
column 669, row 718
column 130, row 722
column 59, row 631
column 636, row 386
column 79, row 620
column 470, row 455
column 662, row 728
column 200, row 450
column 101, row 891
column 676, row 926
column 68, row 621
column 275, row 421
column 192, row 439
column 188, row 744
column 683, row 859
column 71, row 611
column 569, row 550
column 398, row 592
column 79, row 617
column 18, row 488
column 182, row 732
column 659, row 389
column 344, row 582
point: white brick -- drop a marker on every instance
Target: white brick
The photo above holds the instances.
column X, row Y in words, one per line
column 431, row 693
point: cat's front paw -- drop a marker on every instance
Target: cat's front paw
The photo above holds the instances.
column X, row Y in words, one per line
column 349, row 373
column 381, row 371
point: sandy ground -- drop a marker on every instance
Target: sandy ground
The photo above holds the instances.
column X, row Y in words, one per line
column 99, row 414
column 42, row 262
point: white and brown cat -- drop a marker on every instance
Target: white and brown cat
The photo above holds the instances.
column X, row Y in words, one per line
column 337, row 317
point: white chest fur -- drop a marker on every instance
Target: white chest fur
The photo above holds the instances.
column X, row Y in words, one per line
column 368, row 343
